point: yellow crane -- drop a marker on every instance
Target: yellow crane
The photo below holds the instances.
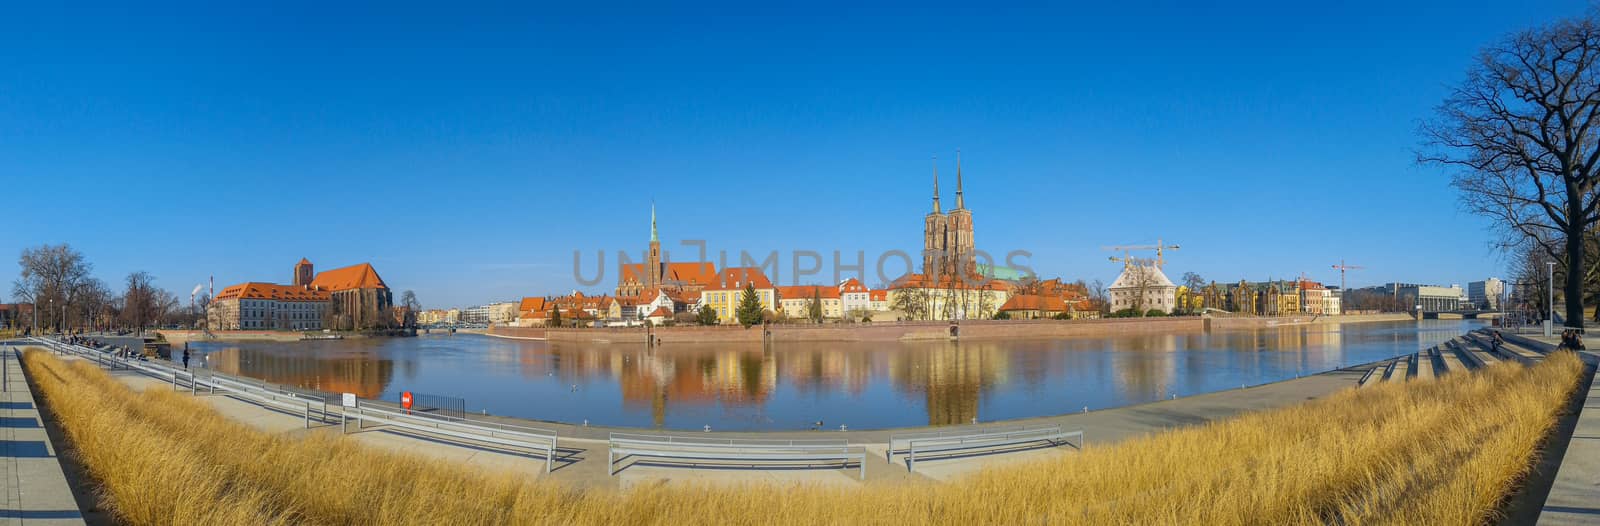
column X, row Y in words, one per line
column 1127, row 258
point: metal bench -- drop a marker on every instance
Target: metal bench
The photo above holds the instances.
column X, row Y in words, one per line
column 539, row 440
column 624, row 445
column 957, row 440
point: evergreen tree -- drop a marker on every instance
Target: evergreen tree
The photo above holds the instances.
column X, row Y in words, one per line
column 749, row 309
column 555, row 318
column 707, row 316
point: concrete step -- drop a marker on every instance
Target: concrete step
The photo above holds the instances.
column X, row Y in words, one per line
column 1452, row 362
column 1504, row 354
column 1472, row 361
column 1402, row 368
column 1373, row 376
column 1424, row 365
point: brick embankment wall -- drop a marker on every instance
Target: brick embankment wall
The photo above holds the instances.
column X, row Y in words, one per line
column 529, row 333
column 881, row 332
column 1258, row 322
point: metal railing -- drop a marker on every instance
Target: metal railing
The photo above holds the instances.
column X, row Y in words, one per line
column 971, row 439
column 540, row 440
column 316, row 407
column 624, row 445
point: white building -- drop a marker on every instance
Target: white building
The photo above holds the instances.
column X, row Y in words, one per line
column 1486, row 294
column 854, row 297
column 1146, row 280
column 503, row 312
column 268, row 306
column 879, row 301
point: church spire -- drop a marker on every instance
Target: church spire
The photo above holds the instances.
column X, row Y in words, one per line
column 936, row 208
column 960, row 203
column 653, row 238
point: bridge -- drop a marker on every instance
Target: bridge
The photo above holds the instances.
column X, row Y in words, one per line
column 1460, row 314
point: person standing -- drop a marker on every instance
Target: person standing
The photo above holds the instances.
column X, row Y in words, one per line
column 185, row 356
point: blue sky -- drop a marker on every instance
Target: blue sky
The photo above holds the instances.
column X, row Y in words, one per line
column 467, row 151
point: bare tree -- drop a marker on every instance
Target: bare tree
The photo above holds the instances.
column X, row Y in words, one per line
column 409, row 300
column 1518, row 135
column 1099, row 297
column 142, row 303
column 50, row 279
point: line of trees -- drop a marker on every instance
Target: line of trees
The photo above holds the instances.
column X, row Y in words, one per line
column 57, row 280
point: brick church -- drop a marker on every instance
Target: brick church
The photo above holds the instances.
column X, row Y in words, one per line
column 947, row 246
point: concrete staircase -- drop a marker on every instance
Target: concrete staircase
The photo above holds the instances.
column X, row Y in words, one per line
column 1459, row 355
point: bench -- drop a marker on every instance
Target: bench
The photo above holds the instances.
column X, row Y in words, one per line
column 624, row 445
column 957, row 440
column 536, row 439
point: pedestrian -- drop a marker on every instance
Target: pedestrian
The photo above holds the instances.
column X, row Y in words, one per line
column 186, row 356
column 1494, row 338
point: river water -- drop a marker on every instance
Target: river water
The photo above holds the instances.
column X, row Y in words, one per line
column 806, row 385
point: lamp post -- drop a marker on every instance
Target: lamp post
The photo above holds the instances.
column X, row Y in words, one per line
column 1549, row 323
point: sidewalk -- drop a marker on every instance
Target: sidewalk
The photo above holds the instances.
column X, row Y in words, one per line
column 34, row 486
column 1575, row 496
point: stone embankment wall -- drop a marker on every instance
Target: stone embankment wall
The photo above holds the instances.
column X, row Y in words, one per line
column 867, row 332
column 1259, row 322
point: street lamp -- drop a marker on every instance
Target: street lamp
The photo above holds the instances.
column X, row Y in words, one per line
column 1549, row 323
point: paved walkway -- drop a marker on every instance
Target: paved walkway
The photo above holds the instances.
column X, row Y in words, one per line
column 1575, row 496
column 35, row 489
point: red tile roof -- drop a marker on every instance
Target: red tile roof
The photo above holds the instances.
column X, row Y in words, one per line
column 530, row 303
column 852, row 285
column 879, row 295
column 699, row 273
column 660, row 312
column 735, row 278
column 360, row 276
column 807, row 292
column 272, row 291
column 922, row 281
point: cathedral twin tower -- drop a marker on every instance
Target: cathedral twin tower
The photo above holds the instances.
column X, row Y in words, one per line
column 947, row 247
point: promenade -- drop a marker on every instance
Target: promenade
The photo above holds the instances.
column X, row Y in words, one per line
column 34, row 487
column 1575, row 495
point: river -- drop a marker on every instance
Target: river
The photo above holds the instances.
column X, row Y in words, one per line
column 807, row 385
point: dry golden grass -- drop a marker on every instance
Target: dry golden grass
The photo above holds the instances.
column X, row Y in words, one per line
column 1437, row 452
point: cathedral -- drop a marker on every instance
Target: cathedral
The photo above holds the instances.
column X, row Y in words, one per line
column 947, row 247
column 646, row 279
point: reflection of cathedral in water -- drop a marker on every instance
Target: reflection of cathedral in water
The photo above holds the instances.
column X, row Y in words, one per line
column 365, row 376
column 950, row 376
column 742, row 378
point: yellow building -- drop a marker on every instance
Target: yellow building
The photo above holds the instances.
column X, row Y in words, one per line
column 923, row 298
column 725, row 293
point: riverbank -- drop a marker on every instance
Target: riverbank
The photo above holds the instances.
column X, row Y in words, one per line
column 965, row 330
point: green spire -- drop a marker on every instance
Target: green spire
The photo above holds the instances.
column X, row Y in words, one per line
column 653, row 237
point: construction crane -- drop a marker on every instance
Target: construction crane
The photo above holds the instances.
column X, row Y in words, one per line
column 1342, row 267
column 1129, row 261
column 1127, row 253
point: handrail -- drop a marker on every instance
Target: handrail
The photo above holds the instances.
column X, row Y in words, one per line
column 669, row 446
column 727, row 442
column 971, row 439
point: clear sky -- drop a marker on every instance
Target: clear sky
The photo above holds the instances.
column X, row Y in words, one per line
column 468, row 151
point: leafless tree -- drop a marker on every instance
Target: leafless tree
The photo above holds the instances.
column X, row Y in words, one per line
column 50, row 279
column 1099, row 297
column 1517, row 135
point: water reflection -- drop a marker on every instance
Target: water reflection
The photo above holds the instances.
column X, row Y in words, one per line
column 798, row 386
column 366, row 376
